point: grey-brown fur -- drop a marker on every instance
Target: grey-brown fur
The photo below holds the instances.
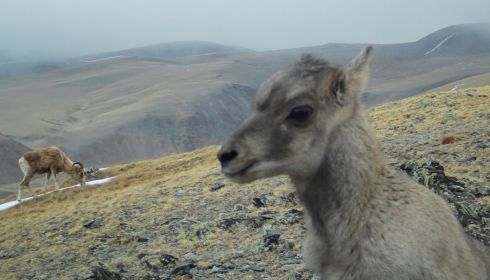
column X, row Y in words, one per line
column 364, row 220
column 49, row 161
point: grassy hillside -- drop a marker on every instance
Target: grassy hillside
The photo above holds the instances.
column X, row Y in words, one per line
column 168, row 206
column 471, row 82
column 412, row 129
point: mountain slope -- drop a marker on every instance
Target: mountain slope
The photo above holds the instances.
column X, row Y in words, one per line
column 149, row 101
column 180, row 206
column 10, row 152
column 457, row 40
column 171, row 51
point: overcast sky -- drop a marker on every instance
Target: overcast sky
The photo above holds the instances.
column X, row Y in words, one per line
column 74, row 27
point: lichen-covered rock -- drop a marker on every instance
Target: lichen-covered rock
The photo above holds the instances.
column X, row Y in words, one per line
column 473, row 214
column 102, row 272
column 431, row 174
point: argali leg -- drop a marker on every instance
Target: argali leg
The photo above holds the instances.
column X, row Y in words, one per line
column 53, row 172
column 25, row 183
column 19, row 195
column 26, row 170
column 46, row 180
column 30, row 190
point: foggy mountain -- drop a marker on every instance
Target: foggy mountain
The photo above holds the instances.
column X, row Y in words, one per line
column 145, row 102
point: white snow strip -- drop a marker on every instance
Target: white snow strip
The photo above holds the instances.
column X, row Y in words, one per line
column 95, row 182
column 104, row 58
column 456, row 87
column 439, row 45
column 203, row 54
column 11, row 204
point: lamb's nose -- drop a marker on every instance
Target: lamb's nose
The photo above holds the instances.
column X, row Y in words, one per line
column 225, row 156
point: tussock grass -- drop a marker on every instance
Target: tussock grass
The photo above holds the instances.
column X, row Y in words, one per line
column 168, row 202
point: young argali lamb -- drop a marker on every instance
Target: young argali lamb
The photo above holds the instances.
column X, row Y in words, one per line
column 49, row 161
column 364, row 220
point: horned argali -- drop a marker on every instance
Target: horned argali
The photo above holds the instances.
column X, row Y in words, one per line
column 49, row 161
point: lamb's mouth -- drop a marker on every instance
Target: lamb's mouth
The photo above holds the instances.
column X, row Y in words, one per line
column 240, row 172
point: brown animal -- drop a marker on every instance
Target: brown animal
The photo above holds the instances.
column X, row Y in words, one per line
column 49, row 161
column 364, row 220
column 447, row 139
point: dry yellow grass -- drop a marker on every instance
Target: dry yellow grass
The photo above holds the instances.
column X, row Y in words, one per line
column 46, row 236
column 142, row 190
column 464, row 114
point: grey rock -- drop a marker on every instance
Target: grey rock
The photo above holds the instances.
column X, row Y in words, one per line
column 139, row 237
column 470, row 212
column 88, row 223
column 189, row 256
column 292, row 216
column 168, row 221
column 290, row 261
column 482, row 191
column 238, row 207
column 141, row 255
column 259, row 202
column 485, row 222
column 102, row 272
column 4, row 254
column 201, row 233
column 290, row 198
column 265, row 199
column 91, row 172
column 456, row 188
column 166, row 259
column 271, row 239
column 230, row 222
column 183, row 269
column 220, row 268
column 180, row 193
column 267, row 215
column 252, row 267
column 216, row 186
column 239, row 254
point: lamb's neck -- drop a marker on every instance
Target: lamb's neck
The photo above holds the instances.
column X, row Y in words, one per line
column 345, row 183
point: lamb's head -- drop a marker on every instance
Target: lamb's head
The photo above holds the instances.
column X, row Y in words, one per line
column 78, row 173
column 293, row 116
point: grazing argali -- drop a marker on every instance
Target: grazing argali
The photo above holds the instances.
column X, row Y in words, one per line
column 364, row 220
column 49, row 161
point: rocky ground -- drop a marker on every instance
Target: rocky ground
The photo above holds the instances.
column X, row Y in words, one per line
column 177, row 218
column 411, row 129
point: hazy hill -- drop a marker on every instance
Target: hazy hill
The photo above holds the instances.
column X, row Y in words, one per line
column 171, row 51
column 158, row 217
column 145, row 102
column 458, row 39
column 10, row 152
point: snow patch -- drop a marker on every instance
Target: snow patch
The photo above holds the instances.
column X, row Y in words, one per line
column 11, row 204
column 204, row 54
column 439, row 45
column 95, row 182
column 104, row 58
column 456, row 87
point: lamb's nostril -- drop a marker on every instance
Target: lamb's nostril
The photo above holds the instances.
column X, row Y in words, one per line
column 227, row 156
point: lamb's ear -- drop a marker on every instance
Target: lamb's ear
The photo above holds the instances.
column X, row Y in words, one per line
column 353, row 81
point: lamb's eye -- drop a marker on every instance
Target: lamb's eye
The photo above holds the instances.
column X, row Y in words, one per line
column 300, row 114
